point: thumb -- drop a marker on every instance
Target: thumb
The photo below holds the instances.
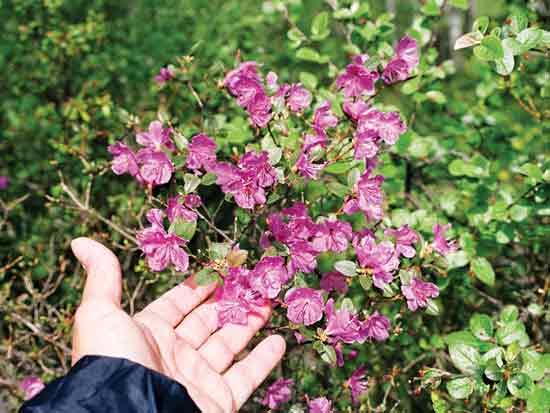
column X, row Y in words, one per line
column 103, row 281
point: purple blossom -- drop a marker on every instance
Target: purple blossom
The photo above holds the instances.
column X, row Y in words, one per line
column 332, row 235
column 365, row 145
column 304, row 305
column 334, row 281
column 202, row 152
column 343, row 326
column 323, row 117
column 358, row 384
column 175, row 209
column 268, row 276
column 317, row 138
column 388, row 126
column 259, row 163
column 302, row 257
column 440, row 243
column 278, row 393
column 5, row 181
column 380, row 258
column 418, row 292
column 259, row 110
column 31, row 386
column 298, row 98
column 192, row 201
column 124, row 159
column 155, row 167
column 165, row 74
column 236, row 299
column 369, row 198
column 405, row 60
column 271, row 81
column 357, row 80
column 160, row 247
column 308, row 169
column 377, row 327
column 320, row 405
column 404, row 238
column 355, row 109
column 246, row 70
column 156, row 137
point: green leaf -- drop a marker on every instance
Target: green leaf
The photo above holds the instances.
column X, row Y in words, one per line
column 512, row 45
column 461, row 388
column 309, row 80
column 310, row 55
column 539, row 401
column 520, row 385
column 465, row 358
column 436, row 97
column 206, row 276
column 489, row 49
column 505, row 66
column 337, row 189
column 532, row 171
column 468, row 40
column 431, row 8
column 518, row 21
column 509, row 313
column 219, row 250
column 481, row 24
column 348, row 268
column 320, row 26
column 460, row 4
column 532, row 364
column 183, row 228
column 510, row 332
column 208, row 179
column 339, row 167
column 529, row 38
column 518, row 213
column 462, row 337
column 482, row 326
column 191, row 182
column 483, row 270
column 456, row 259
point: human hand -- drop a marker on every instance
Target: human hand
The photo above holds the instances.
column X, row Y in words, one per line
column 177, row 334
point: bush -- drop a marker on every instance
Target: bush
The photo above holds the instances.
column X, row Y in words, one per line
column 319, row 207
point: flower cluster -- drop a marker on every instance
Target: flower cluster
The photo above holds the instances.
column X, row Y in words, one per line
column 293, row 235
column 150, row 165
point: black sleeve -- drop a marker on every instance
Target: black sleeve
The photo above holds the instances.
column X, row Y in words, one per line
column 98, row 384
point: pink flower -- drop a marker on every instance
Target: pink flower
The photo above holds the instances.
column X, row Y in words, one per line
column 355, row 109
column 259, row 164
column 271, row 81
column 246, row 70
column 192, row 201
column 155, row 167
column 403, row 63
column 324, row 117
column 332, row 235
column 404, row 238
column 334, row 281
column 440, row 243
column 381, row 258
column 365, row 145
column 161, row 248
column 320, row 405
column 164, row 75
column 31, row 386
column 278, row 393
column 388, row 126
column 358, row 384
column 317, row 138
column 298, row 98
column 369, row 197
column 305, row 305
column 357, row 80
column 343, row 326
column 124, row 159
column 236, row 298
column 308, row 169
column 175, row 209
column 4, row 181
column 268, row 276
column 202, row 152
column 259, row 110
column 156, row 137
column 302, row 256
column 377, row 327
column 418, row 293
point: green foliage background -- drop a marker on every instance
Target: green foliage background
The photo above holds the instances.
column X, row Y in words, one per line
column 78, row 74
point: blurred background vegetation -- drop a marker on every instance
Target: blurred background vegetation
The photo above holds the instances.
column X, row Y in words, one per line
column 77, row 73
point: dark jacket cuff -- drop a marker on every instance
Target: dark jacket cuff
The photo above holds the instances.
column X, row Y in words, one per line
column 106, row 384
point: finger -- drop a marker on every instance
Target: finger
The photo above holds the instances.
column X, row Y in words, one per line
column 176, row 303
column 103, row 281
column 192, row 368
column 199, row 324
column 221, row 347
column 246, row 375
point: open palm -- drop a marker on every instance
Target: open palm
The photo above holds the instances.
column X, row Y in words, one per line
column 176, row 335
